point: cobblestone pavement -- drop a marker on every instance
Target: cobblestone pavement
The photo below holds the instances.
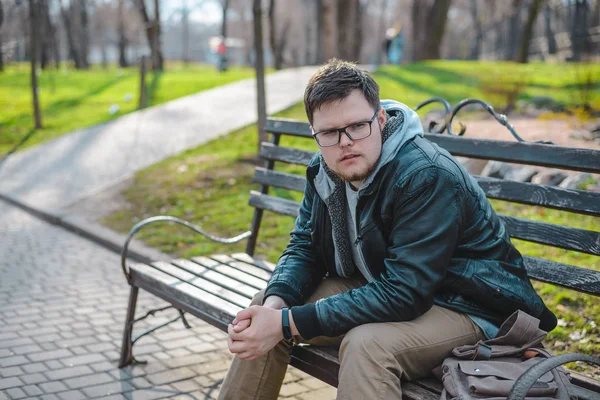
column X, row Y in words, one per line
column 62, row 305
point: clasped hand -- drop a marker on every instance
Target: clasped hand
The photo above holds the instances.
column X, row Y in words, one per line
column 254, row 332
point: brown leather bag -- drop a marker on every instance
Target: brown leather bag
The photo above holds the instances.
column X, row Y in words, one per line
column 489, row 369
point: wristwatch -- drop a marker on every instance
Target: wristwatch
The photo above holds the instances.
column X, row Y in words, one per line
column 285, row 324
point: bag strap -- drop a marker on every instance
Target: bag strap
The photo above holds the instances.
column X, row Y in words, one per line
column 525, row 381
column 520, row 331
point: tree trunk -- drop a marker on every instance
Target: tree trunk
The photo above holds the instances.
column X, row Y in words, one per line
column 534, row 9
column 329, row 32
column 122, row 38
column 1, row 21
column 34, row 37
column 308, row 27
column 277, row 58
column 550, row 39
column 84, row 43
column 427, row 42
column 45, row 36
column 158, row 61
column 73, row 51
column 475, row 15
column 579, row 31
column 349, row 29
column 260, row 72
column 320, row 52
column 185, row 33
column 152, row 33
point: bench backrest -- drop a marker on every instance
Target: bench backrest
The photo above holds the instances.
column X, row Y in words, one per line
column 577, row 201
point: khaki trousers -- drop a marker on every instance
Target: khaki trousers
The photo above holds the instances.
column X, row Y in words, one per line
column 374, row 358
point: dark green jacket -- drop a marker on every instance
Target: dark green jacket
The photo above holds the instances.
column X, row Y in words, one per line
column 428, row 235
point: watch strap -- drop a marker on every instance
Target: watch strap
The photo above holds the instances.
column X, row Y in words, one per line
column 285, row 323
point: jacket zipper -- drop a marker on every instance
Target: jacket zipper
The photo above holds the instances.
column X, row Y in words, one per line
column 322, row 220
column 358, row 241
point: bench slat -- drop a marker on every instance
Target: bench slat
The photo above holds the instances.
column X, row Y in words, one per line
column 524, row 193
column 215, row 277
column 263, row 264
column 279, row 179
column 541, row 195
column 287, row 155
column 538, row 232
column 518, row 152
column 554, row 235
column 204, row 305
column 585, row 160
column 575, row 278
column 245, row 277
column 274, row 204
column 242, row 266
column 203, row 284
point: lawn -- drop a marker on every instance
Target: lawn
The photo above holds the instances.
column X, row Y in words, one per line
column 71, row 99
column 209, row 186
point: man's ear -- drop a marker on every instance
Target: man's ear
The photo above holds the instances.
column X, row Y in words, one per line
column 382, row 117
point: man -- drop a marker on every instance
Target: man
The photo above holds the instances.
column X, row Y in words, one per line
column 396, row 256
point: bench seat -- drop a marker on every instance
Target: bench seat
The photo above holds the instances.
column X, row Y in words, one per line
column 215, row 288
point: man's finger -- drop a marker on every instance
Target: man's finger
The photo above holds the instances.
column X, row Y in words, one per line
column 238, row 347
column 241, row 325
column 244, row 314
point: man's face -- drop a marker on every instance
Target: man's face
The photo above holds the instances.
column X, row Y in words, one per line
column 351, row 160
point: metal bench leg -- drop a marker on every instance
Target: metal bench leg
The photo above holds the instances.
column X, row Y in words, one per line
column 127, row 345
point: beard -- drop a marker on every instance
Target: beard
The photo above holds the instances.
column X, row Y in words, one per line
column 360, row 175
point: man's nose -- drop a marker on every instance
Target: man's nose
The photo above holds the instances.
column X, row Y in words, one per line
column 345, row 140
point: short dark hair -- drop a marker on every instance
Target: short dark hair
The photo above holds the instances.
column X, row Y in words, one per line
column 335, row 80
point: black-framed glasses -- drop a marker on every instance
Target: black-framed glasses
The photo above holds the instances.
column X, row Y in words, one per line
column 356, row 131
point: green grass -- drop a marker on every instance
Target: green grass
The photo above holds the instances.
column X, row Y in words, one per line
column 490, row 81
column 209, row 186
column 72, row 99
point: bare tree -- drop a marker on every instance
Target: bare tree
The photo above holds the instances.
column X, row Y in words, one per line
column 478, row 26
column 278, row 42
column 152, row 33
column 83, row 34
column 260, row 72
column 549, row 32
column 349, row 29
column 534, row 9
column 34, row 38
column 433, row 16
column 74, row 50
column 579, row 29
column 122, row 36
column 328, row 28
column 185, row 32
column 1, row 21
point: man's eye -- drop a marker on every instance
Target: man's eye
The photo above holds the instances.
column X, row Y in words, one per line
column 328, row 133
column 358, row 126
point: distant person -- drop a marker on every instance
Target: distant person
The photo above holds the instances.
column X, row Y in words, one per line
column 396, row 256
column 394, row 45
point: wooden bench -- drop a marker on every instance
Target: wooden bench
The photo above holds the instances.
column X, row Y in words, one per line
column 214, row 288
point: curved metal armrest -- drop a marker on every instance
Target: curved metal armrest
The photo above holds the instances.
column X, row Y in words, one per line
column 446, row 109
column 166, row 218
column 501, row 118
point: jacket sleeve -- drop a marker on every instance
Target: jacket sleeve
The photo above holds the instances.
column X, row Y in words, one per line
column 297, row 274
column 426, row 226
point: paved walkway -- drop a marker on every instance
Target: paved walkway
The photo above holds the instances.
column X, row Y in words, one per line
column 63, row 298
column 62, row 306
column 59, row 173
